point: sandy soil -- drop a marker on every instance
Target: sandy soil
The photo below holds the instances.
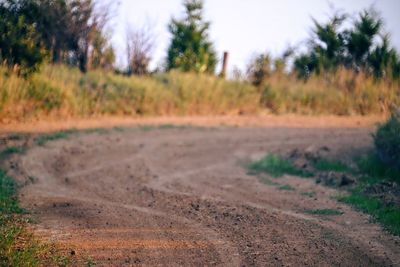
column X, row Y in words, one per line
column 289, row 120
column 181, row 197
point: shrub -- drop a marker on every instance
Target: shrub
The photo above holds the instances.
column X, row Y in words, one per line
column 387, row 141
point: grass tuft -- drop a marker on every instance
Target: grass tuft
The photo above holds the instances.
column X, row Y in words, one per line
column 276, row 166
column 371, row 165
column 43, row 139
column 389, row 217
column 331, row 165
column 8, row 202
column 11, row 150
column 327, row 212
column 286, row 187
column 18, row 247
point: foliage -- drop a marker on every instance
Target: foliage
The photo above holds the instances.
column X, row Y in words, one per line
column 277, row 166
column 60, row 91
column 363, row 47
column 21, row 46
column 67, row 31
column 259, row 69
column 43, row 139
column 387, row 141
column 102, row 55
column 8, row 203
column 388, row 216
column 330, row 165
column 10, row 150
column 324, row 212
column 18, row 247
column 190, row 49
column 139, row 44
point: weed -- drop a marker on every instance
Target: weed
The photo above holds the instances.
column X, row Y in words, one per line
column 8, row 203
column 97, row 130
column 286, row 187
column 168, row 126
column 146, row 128
column 43, row 139
column 375, row 170
column 389, row 217
column 119, row 129
column 327, row 212
column 387, row 141
column 11, row 150
column 89, row 262
column 331, row 165
column 17, row 246
column 276, row 166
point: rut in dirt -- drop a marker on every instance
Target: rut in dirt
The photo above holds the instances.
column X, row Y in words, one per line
column 182, row 196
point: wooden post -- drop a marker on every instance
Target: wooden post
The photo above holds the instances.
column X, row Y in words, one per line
column 224, row 64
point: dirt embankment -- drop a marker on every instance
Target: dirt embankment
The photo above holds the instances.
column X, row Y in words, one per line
column 181, row 197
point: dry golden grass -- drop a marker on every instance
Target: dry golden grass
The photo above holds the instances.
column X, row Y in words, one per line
column 63, row 92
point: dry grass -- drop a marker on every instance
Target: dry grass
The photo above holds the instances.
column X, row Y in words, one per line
column 62, row 92
column 340, row 93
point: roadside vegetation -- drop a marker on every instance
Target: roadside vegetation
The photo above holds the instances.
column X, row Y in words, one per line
column 371, row 184
column 326, row 212
column 65, row 69
column 61, row 92
column 277, row 166
column 18, row 247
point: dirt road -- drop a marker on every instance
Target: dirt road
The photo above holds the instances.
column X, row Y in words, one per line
column 181, row 197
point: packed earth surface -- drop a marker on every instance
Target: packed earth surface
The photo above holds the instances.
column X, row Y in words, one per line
column 182, row 196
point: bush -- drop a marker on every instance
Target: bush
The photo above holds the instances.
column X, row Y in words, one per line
column 387, row 141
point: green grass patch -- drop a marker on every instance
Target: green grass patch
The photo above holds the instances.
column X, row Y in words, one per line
column 8, row 188
column 327, row 212
column 389, row 217
column 286, row 187
column 43, row 139
column 18, row 247
column 11, row 150
column 370, row 165
column 119, row 129
column 276, row 166
column 146, row 128
column 331, row 165
column 97, row 130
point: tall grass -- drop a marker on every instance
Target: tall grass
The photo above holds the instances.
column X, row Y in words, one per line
column 341, row 93
column 60, row 91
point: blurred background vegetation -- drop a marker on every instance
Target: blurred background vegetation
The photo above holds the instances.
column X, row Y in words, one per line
column 57, row 60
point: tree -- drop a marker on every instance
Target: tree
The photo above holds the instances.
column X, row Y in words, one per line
column 326, row 48
column 69, row 31
column 21, row 46
column 139, row 45
column 360, row 48
column 360, row 39
column 190, row 49
column 102, row 54
column 384, row 61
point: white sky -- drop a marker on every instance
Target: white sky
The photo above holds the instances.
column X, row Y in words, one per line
column 246, row 27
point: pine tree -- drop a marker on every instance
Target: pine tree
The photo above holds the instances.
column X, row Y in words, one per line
column 190, row 48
